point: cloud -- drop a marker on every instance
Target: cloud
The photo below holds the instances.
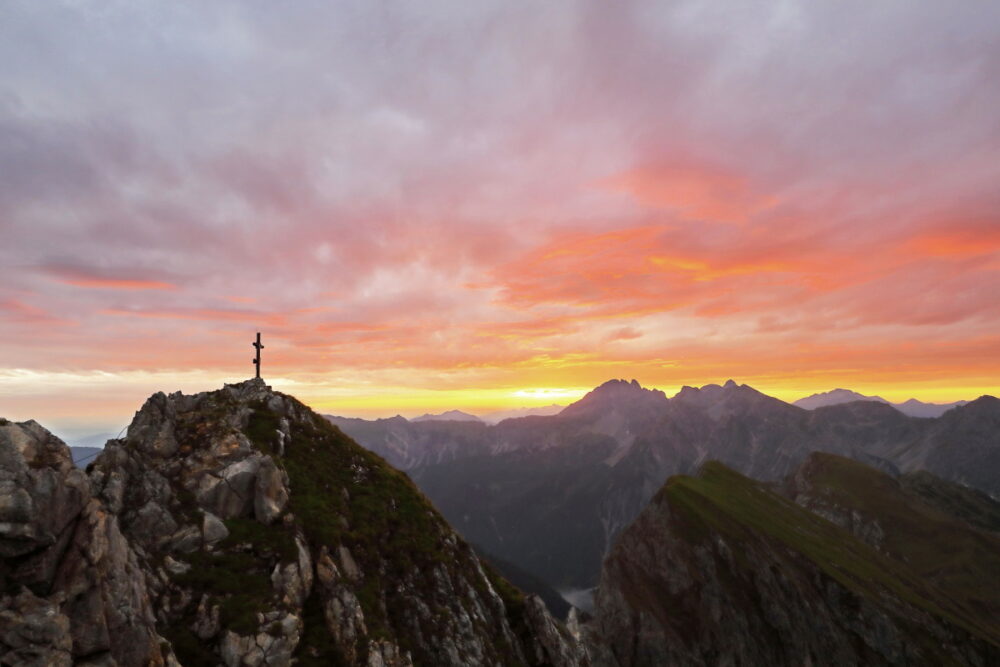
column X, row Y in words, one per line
column 500, row 192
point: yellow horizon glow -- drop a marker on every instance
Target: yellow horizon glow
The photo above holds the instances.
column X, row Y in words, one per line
column 111, row 398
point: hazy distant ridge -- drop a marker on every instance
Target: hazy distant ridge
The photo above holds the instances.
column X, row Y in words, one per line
column 911, row 408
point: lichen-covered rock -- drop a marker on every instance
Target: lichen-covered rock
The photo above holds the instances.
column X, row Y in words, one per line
column 70, row 582
column 264, row 535
column 551, row 643
column 273, row 647
column 41, row 494
column 270, row 491
column 33, row 631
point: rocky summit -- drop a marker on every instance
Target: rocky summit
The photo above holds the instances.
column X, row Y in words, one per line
column 238, row 527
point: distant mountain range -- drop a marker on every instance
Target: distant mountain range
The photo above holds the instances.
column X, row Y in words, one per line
column 912, row 407
column 85, row 449
column 449, row 416
column 550, row 493
column 84, row 455
column 499, row 416
column 488, row 418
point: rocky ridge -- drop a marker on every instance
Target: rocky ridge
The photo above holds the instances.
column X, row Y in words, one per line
column 72, row 589
column 720, row 569
column 250, row 531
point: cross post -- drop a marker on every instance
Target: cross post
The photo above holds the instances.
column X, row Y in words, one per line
column 256, row 361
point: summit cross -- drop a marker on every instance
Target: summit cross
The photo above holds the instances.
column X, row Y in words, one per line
column 256, row 361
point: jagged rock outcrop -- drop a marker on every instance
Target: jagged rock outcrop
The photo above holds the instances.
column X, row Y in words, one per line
column 264, row 535
column 72, row 590
column 720, row 569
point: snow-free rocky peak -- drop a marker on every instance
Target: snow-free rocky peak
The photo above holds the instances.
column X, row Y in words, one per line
column 257, row 533
column 616, row 395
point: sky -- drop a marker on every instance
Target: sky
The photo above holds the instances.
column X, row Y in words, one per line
column 435, row 205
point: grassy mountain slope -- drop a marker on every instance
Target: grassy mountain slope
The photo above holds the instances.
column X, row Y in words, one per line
column 939, row 547
column 722, row 569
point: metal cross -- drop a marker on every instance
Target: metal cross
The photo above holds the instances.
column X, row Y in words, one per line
column 256, row 362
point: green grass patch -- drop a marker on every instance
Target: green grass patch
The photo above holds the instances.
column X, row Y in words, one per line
column 722, row 501
column 262, row 428
column 391, row 529
column 920, row 531
column 191, row 651
column 275, row 542
column 238, row 582
column 316, row 647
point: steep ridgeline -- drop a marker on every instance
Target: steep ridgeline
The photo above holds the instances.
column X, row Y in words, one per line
column 720, row 569
column 262, row 534
column 550, row 493
column 72, row 590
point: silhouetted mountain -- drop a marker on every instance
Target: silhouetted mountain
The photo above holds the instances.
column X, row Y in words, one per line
column 834, row 397
column 912, row 407
column 450, row 415
column 94, row 440
column 84, row 455
column 499, row 416
column 720, row 569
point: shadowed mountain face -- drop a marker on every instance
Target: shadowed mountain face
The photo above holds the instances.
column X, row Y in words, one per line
column 550, row 493
column 853, row 569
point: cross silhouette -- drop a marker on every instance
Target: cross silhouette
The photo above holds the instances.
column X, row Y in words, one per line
column 256, row 361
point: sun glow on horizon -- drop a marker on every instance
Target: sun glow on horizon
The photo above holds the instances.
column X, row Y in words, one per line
column 99, row 401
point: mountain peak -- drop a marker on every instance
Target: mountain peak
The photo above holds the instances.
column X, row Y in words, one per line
column 623, row 394
column 615, row 384
column 834, row 397
column 723, row 400
column 250, row 526
column 911, row 407
column 450, row 415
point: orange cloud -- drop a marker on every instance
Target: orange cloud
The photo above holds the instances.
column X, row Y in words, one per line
column 14, row 310
column 115, row 283
column 696, row 191
column 101, row 280
column 956, row 241
column 202, row 314
column 656, row 268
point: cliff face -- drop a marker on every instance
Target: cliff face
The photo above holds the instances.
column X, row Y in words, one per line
column 719, row 569
column 72, row 589
column 250, row 531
